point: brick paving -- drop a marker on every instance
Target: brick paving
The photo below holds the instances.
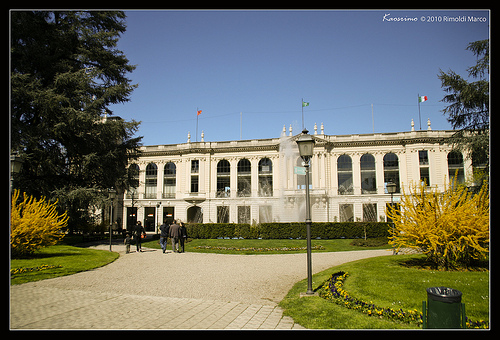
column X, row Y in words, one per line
column 57, row 308
column 192, row 296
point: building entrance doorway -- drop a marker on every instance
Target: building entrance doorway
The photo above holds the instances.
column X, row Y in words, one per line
column 131, row 218
column 149, row 218
column 195, row 214
column 168, row 215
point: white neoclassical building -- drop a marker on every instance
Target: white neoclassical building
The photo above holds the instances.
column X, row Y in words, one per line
column 260, row 180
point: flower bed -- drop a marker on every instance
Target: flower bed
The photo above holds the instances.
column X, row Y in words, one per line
column 21, row 270
column 333, row 290
column 259, row 249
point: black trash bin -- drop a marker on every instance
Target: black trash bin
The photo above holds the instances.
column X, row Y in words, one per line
column 444, row 308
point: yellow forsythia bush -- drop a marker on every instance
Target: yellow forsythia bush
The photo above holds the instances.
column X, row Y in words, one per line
column 450, row 227
column 34, row 224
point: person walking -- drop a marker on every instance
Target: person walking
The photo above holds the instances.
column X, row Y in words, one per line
column 139, row 231
column 174, row 233
column 183, row 235
column 164, row 229
column 127, row 242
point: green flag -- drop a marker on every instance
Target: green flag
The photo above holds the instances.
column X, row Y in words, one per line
column 304, row 104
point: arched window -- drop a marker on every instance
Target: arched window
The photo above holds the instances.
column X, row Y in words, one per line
column 151, row 180
column 223, row 178
column 169, row 180
column 480, row 165
column 265, row 177
column 133, row 171
column 344, row 171
column 456, row 167
column 368, row 181
column 391, row 170
column 244, row 178
column 301, row 179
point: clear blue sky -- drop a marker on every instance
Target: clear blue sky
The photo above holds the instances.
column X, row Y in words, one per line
column 262, row 63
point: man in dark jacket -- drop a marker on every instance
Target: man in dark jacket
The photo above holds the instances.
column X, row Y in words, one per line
column 164, row 229
column 183, row 236
column 175, row 234
column 138, row 231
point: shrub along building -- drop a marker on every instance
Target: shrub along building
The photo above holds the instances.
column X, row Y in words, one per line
column 262, row 180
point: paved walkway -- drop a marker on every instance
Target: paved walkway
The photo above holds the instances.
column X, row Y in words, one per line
column 151, row 290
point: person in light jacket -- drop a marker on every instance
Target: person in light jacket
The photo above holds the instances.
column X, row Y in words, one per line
column 175, row 234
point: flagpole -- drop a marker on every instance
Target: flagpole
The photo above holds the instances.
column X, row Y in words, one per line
column 197, row 124
column 373, row 121
column 419, row 119
column 302, row 105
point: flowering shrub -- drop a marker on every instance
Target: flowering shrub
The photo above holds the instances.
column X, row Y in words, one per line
column 21, row 270
column 34, row 224
column 259, row 249
column 450, row 227
column 333, row 290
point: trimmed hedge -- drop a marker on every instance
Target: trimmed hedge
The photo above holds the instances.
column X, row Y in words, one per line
column 324, row 230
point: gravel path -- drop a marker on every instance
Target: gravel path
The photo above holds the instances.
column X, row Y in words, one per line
column 263, row 279
column 260, row 281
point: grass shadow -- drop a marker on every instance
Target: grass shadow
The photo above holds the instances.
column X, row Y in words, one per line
column 423, row 263
column 45, row 255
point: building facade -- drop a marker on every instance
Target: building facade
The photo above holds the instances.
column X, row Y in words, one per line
column 261, row 180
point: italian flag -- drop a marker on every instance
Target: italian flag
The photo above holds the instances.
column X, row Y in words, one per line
column 422, row 99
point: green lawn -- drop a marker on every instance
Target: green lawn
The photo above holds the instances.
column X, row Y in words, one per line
column 385, row 282
column 329, row 245
column 72, row 260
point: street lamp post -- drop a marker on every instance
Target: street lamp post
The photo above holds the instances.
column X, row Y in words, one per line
column 391, row 189
column 112, row 195
column 158, row 218
column 15, row 166
column 306, row 146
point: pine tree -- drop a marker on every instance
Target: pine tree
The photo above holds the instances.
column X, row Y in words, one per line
column 468, row 109
column 65, row 73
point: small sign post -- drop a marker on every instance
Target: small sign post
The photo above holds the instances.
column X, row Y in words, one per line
column 299, row 170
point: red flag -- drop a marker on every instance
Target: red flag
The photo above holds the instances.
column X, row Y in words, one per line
column 198, row 112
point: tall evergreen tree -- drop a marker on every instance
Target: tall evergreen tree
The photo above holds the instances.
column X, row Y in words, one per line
column 468, row 109
column 65, row 73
